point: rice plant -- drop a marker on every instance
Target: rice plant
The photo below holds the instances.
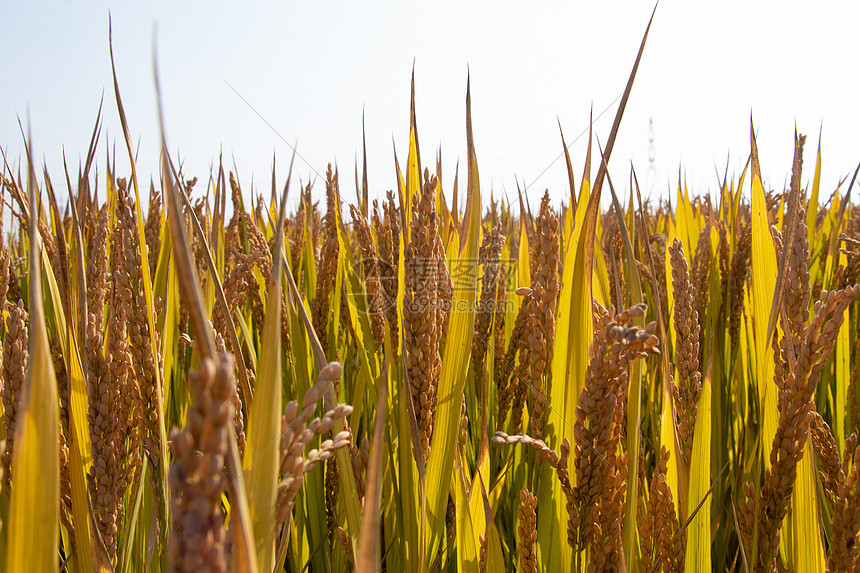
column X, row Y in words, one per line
column 427, row 380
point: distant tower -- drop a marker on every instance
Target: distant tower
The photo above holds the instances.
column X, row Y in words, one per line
column 652, row 155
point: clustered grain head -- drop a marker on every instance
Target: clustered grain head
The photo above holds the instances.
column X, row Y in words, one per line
column 614, row 256
column 662, row 543
column 297, row 237
column 540, row 336
column 234, row 234
column 852, row 413
column 601, row 469
column 840, row 477
column 511, row 391
column 360, row 455
column 109, row 413
column 260, row 249
column 346, row 544
column 4, row 269
column 331, row 488
column 527, row 531
column 739, row 274
column 328, row 262
column 297, row 432
column 658, row 256
column 846, row 511
column 387, row 229
column 700, row 277
column 97, row 275
column 198, row 477
column 240, row 287
column 238, row 416
column 829, row 461
column 724, row 254
column 143, row 385
column 370, row 264
column 64, row 391
column 687, row 389
column 498, row 340
column 15, row 358
column 489, row 258
column 425, row 313
column 152, row 229
column 796, row 389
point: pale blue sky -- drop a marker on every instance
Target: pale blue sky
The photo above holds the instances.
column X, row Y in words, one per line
column 311, row 68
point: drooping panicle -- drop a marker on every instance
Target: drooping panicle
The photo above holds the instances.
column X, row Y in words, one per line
column 15, row 358
column 198, row 478
column 541, row 329
column 489, row 258
column 328, row 261
column 370, row 265
column 600, row 467
column 740, row 272
column 424, row 315
column 688, row 387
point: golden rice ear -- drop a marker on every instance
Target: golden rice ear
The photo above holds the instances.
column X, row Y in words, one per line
column 527, row 527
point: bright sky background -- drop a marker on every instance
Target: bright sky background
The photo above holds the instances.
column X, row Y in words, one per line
column 311, row 68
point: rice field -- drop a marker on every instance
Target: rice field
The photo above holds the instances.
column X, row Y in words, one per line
column 428, row 380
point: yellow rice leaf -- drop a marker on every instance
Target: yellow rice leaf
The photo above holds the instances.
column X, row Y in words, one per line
column 764, row 272
column 551, row 548
column 80, row 457
column 634, row 399
column 667, row 438
column 466, row 534
column 805, row 552
column 147, row 293
column 579, row 335
column 495, row 557
column 559, row 366
column 455, row 360
column 34, row 511
column 668, row 434
column 169, row 336
column 413, row 163
column 806, row 547
column 523, row 275
column 812, row 209
column 600, row 275
column 262, row 459
column 495, row 560
column 580, row 331
column 842, row 363
column 78, row 441
column 698, row 556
